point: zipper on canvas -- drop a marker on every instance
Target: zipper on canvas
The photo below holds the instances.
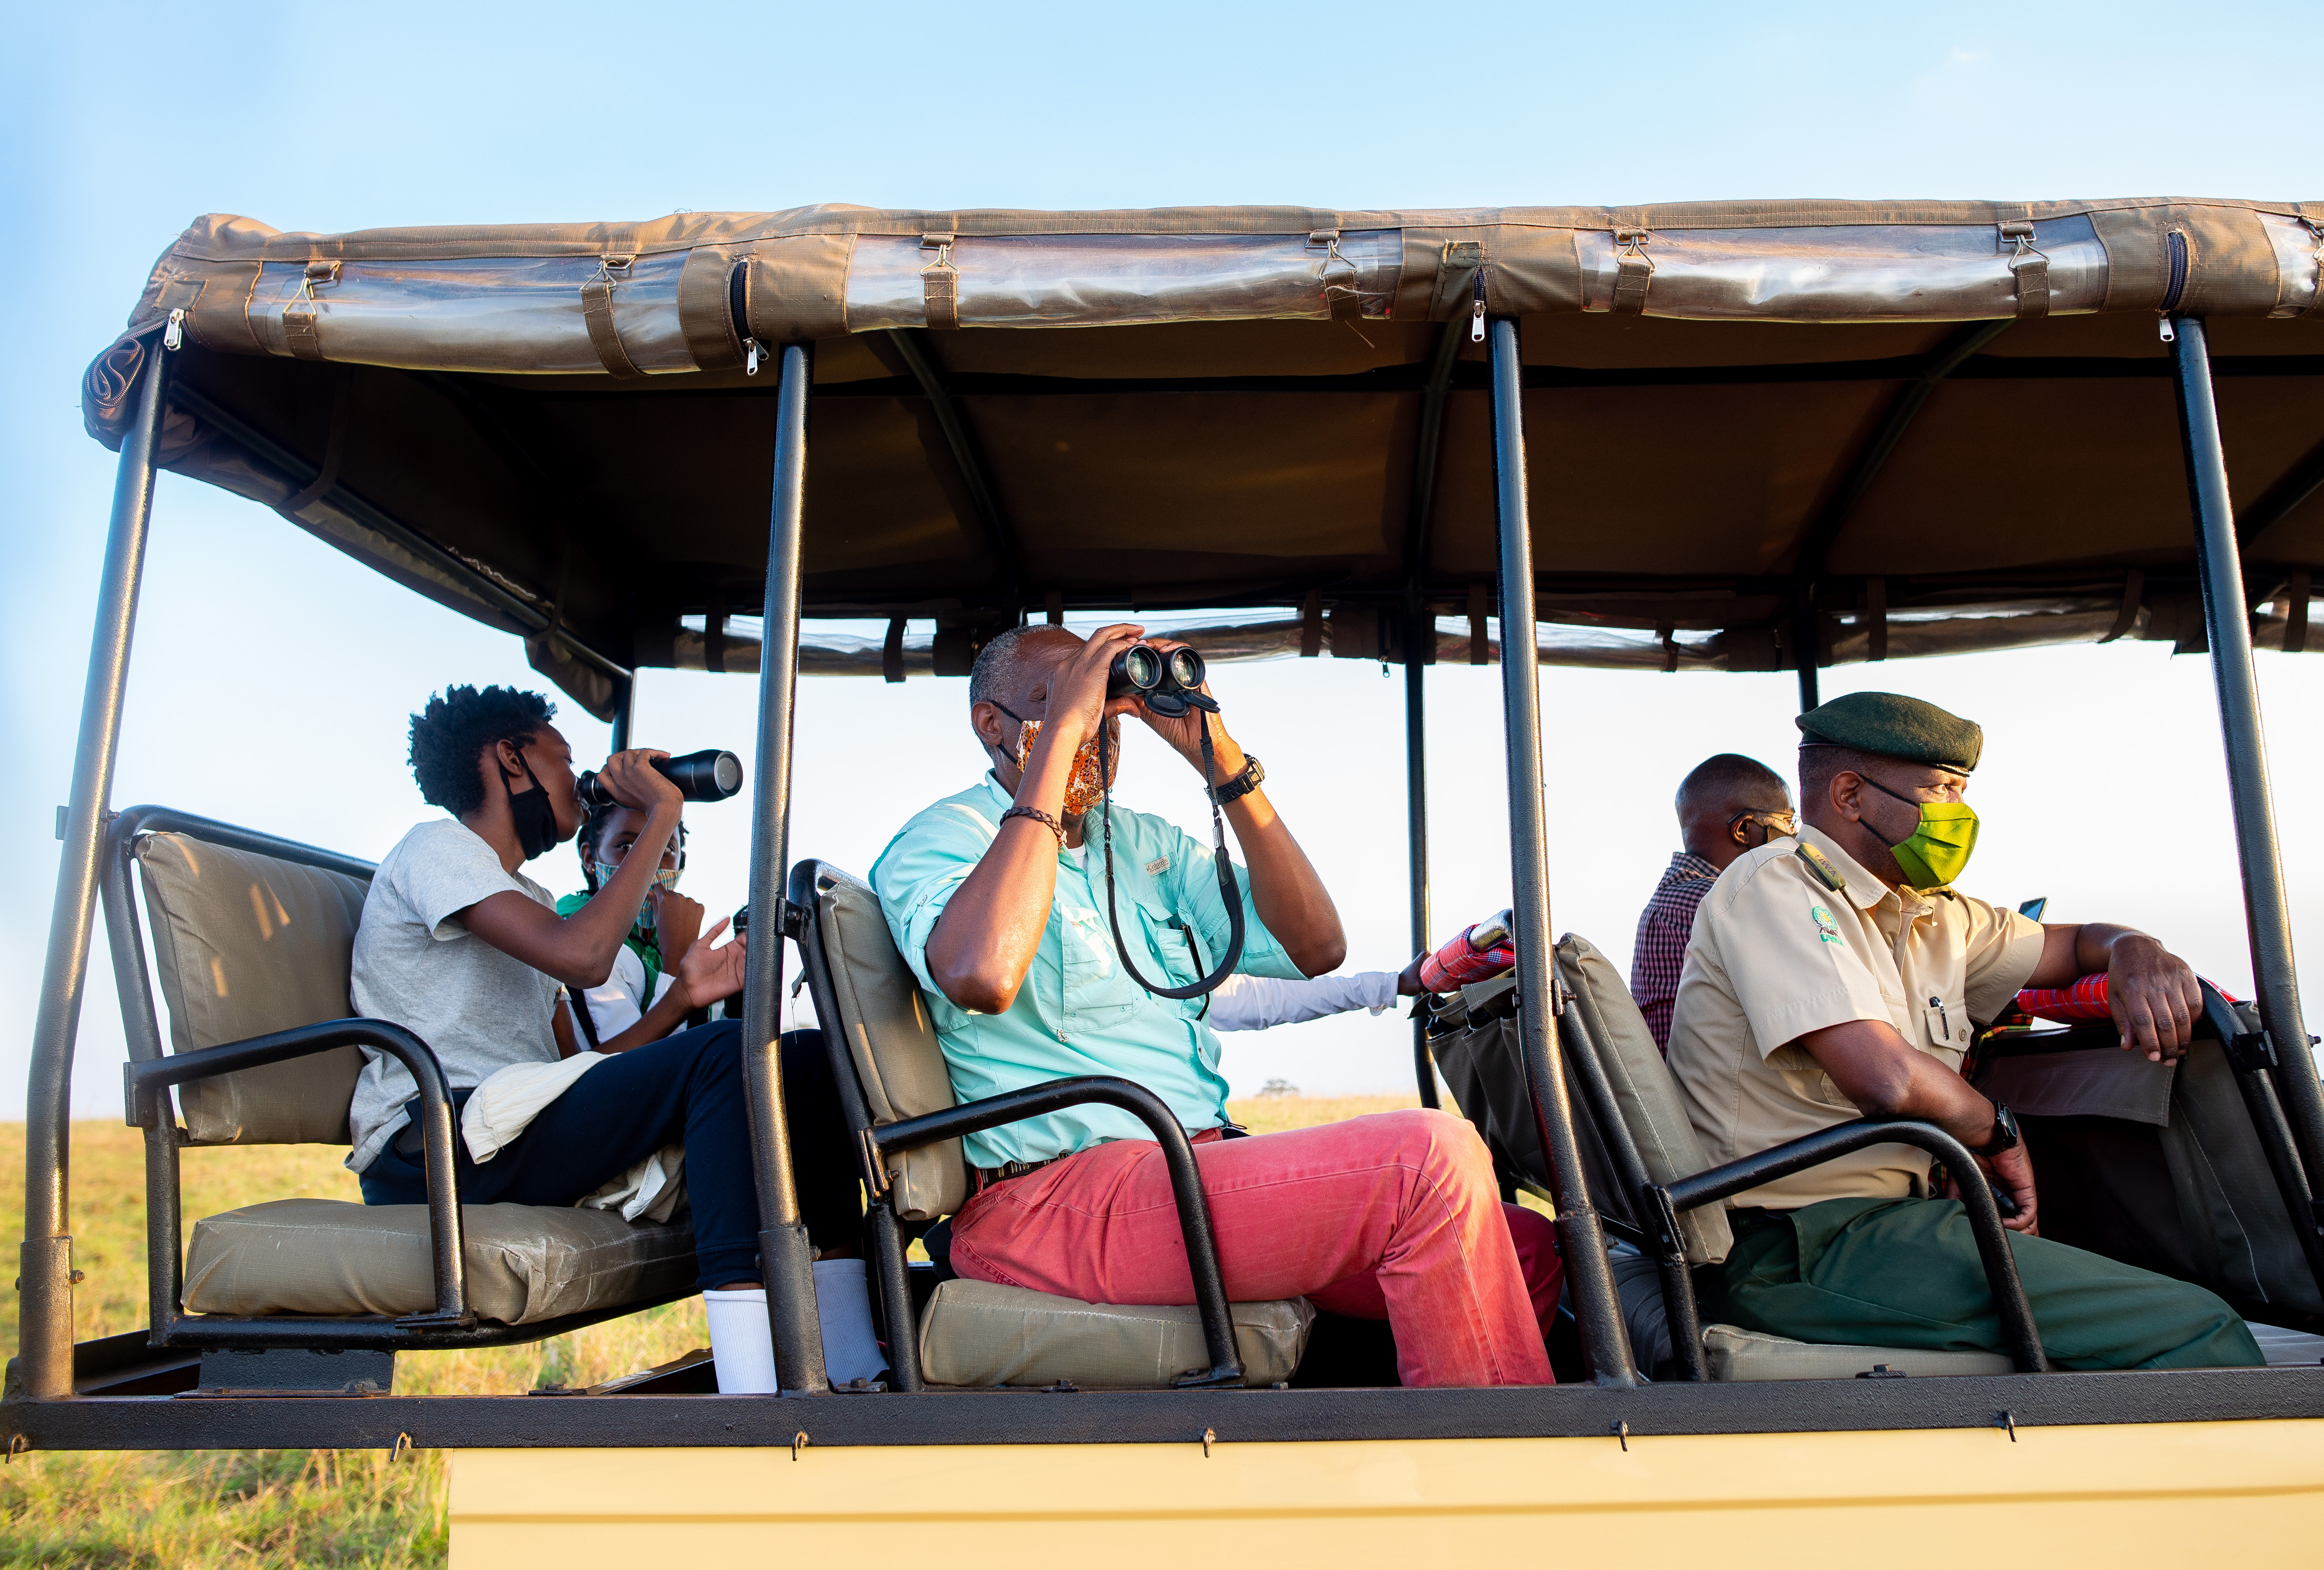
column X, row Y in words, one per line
column 2175, row 246
column 1477, row 309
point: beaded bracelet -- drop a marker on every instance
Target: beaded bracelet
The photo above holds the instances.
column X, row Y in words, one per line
column 1039, row 816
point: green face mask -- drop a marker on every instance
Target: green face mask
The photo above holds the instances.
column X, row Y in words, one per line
column 1935, row 853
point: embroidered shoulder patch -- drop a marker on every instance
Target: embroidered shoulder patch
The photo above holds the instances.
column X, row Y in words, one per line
column 1157, row 867
column 1827, row 928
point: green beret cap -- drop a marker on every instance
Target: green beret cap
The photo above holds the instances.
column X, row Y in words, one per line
column 1892, row 725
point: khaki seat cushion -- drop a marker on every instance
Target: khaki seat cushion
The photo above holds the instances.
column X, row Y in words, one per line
column 525, row 1262
column 892, row 1041
column 248, row 944
column 1644, row 1090
column 973, row 1333
column 1738, row 1354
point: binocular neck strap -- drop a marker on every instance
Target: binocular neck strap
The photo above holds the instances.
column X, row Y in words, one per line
column 1225, row 866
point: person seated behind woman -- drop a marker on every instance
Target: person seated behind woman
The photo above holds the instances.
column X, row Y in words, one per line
column 459, row 947
column 647, row 996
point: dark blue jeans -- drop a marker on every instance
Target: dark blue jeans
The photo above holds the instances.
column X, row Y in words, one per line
column 686, row 1088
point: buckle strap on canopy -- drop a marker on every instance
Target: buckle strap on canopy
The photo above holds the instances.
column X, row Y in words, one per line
column 2311, row 214
column 940, row 279
column 2133, row 591
column 1634, row 270
column 328, row 475
column 1341, row 295
column 1311, row 625
column 597, row 310
column 2031, row 267
column 298, row 334
column 1875, row 618
column 1480, row 652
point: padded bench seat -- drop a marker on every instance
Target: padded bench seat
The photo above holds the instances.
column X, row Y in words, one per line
column 525, row 1262
column 1736, row 1354
column 976, row 1333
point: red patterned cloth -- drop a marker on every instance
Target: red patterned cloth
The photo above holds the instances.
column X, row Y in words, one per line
column 2085, row 999
column 1664, row 928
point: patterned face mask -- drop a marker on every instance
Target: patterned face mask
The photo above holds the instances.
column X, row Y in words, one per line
column 1083, row 786
column 664, row 878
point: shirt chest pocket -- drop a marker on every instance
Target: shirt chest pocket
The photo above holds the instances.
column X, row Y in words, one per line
column 1945, row 1022
column 1098, row 988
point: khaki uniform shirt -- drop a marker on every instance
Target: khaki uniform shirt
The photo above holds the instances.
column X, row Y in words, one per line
column 1776, row 953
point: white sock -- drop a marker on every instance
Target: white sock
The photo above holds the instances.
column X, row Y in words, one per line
column 842, row 1296
column 743, row 1347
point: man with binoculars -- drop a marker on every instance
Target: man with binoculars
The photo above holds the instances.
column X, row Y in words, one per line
column 1032, row 946
column 473, row 956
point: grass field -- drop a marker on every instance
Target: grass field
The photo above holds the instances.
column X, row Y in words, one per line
column 305, row 1507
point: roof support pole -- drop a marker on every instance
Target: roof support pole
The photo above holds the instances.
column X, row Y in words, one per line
column 2226, row 619
column 1807, row 630
column 45, row 1318
column 786, row 1258
column 1581, row 1240
column 968, row 455
column 626, row 703
column 1419, row 645
column 1419, row 630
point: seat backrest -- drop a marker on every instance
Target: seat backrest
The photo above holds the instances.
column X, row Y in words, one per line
column 891, row 1041
column 248, row 944
column 1644, row 1092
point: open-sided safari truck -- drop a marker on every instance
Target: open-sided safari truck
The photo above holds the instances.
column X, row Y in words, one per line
column 1762, row 436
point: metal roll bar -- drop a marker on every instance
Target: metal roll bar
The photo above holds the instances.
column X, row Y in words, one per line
column 1186, row 1181
column 786, row 1257
column 1597, row 1307
column 2226, row 621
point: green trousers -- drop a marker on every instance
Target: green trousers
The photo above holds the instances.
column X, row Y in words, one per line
column 1904, row 1273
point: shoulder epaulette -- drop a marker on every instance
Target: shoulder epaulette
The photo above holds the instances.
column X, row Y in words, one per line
column 1822, row 869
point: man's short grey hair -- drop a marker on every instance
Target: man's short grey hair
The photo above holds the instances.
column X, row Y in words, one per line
column 999, row 665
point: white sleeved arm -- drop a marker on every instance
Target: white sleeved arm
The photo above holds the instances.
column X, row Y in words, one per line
column 619, row 1005
column 1254, row 1003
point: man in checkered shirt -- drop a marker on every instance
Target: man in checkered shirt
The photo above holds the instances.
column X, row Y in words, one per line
column 1731, row 804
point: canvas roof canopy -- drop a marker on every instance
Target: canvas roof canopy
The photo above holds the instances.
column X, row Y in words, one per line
column 1950, row 425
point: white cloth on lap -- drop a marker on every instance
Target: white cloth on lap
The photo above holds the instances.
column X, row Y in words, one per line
column 504, row 1105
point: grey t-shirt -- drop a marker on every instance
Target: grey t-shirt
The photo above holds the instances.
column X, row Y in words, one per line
column 417, row 964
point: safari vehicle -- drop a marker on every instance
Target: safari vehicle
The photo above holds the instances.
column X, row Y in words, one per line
column 1764, row 436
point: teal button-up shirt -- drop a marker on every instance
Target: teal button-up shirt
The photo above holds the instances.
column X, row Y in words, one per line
column 1079, row 1011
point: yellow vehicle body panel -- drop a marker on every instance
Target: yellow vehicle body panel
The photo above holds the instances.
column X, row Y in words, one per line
column 2249, row 1494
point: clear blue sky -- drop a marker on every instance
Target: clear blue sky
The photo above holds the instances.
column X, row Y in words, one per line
column 273, row 678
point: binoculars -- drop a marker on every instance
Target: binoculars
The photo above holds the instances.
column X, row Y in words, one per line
column 709, row 775
column 1169, row 682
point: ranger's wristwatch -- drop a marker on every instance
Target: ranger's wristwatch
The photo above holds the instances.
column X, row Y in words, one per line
column 1253, row 775
column 2005, row 1133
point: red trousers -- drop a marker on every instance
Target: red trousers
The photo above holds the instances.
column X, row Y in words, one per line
column 1394, row 1216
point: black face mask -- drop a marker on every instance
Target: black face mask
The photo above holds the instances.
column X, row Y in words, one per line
column 536, row 819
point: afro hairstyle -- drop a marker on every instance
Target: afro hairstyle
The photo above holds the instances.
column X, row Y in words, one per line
column 458, row 723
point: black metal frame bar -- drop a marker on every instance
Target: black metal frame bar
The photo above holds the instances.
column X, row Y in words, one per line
column 2226, row 619
column 875, row 1140
column 1807, row 630
column 299, row 472
column 965, row 453
column 786, row 1257
column 45, row 1260
column 2017, row 1326
column 1597, row 1307
column 148, row 1107
column 1035, row 1101
column 2256, row 1068
column 1419, row 649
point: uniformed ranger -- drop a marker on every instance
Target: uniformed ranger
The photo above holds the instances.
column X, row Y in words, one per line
column 1839, row 975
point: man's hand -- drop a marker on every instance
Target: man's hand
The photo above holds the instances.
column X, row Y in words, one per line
column 677, row 919
column 1077, row 700
column 2012, row 1171
column 2153, row 996
column 2152, row 993
column 630, row 779
column 1407, row 979
column 707, row 975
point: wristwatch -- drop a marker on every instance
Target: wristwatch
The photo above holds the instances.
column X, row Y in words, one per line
column 2005, row 1133
column 1253, row 775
